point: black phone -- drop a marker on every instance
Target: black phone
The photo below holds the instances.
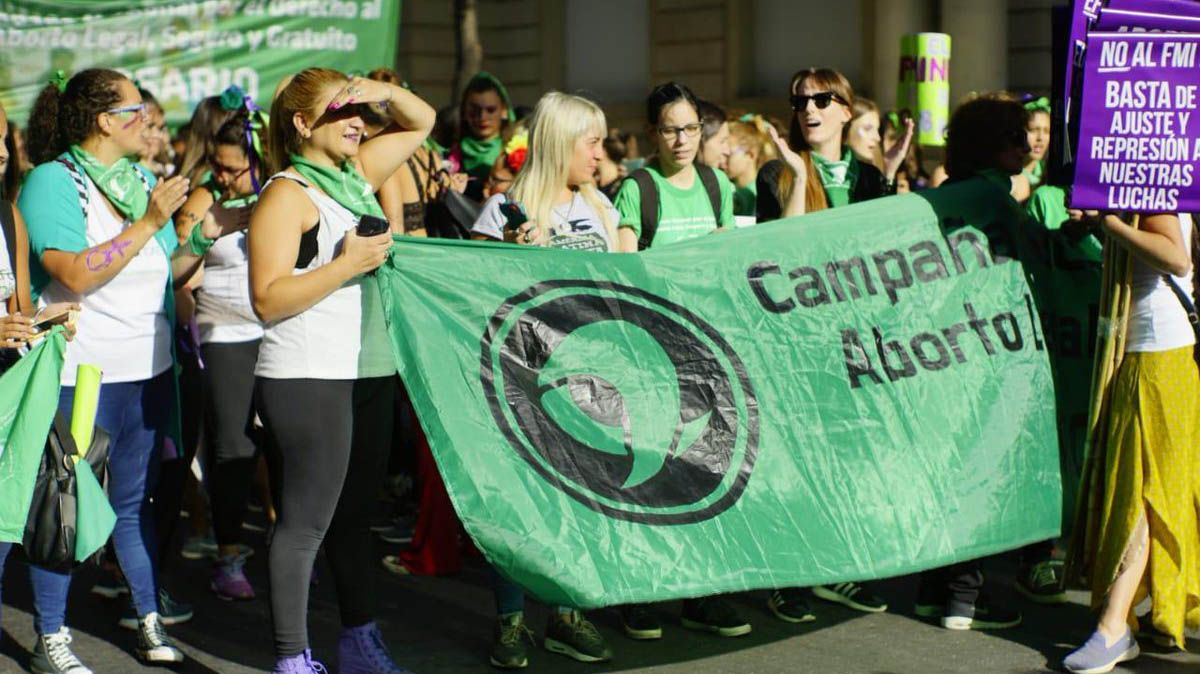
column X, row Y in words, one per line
column 514, row 214
column 371, row 225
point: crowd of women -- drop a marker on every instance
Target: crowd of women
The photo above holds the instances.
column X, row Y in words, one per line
column 244, row 264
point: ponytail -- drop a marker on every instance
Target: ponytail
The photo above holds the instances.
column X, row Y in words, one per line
column 60, row 119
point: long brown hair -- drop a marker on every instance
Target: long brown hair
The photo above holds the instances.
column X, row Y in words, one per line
column 300, row 95
column 827, row 79
column 62, row 119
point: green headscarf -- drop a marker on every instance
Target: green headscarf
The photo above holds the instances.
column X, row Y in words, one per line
column 478, row 156
column 346, row 186
column 119, row 182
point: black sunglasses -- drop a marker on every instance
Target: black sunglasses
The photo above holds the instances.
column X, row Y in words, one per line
column 821, row 100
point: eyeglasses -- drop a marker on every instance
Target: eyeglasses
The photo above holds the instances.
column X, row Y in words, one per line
column 821, row 100
column 139, row 108
column 233, row 173
column 670, row 133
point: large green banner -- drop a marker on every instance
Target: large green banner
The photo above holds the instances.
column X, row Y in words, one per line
column 854, row 394
column 185, row 50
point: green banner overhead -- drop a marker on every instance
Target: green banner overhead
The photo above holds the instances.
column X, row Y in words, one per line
column 859, row 393
column 185, row 50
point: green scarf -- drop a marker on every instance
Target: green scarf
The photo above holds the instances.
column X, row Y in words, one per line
column 347, row 186
column 119, row 182
column 1034, row 175
column 478, row 156
column 837, row 177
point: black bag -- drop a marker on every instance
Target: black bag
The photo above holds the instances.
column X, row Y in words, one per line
column 49, row 540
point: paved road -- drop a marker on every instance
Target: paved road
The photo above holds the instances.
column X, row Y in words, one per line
column 443, row 626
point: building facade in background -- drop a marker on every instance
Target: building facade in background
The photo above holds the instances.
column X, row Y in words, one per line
column 740, row 53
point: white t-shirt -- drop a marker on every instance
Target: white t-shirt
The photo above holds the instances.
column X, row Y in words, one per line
column 223, row 310
column 123, row 327
column 343, row 336
column 574, row 226
column 1157, row 320
column 8, row 280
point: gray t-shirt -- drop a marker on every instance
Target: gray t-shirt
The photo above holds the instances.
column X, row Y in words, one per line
column 574, row 226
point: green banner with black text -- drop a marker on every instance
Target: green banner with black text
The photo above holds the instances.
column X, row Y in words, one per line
column 855, row 394
column 185, row 50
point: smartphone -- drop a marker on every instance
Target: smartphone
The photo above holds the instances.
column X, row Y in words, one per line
column 45, row 322
column 514, row 214
column 370, row 225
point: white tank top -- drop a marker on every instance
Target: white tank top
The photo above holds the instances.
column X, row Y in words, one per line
column 341, row 337
column 223, row 310
column 1157, row 320
column 123, row 327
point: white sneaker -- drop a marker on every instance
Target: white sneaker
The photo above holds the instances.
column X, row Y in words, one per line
column 153, row 643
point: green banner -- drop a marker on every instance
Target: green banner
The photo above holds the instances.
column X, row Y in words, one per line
column 185, row 50
column 859, row 393
column 28, row 399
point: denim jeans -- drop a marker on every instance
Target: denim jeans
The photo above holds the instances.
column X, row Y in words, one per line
column 137, row 417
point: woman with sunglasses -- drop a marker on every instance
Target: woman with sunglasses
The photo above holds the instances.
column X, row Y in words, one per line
column 325, row 376
column 229, row 332
column 100, row 231
column 817, row 169
column 692, row 198
column 485, row 111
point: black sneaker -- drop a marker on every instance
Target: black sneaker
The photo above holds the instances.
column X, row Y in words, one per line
column 1043, row 583
column 52, row 655
column 171, row 612
column 508, row 642
column 639, row 623
column 571, row 634
column 713, row 614
column 852, row 595
column 980, row 616
column 154, row 646
column 791, row 605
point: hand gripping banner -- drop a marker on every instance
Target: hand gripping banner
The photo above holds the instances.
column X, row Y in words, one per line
column 858, row 393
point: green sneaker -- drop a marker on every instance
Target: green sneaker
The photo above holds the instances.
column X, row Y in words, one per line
column 508, row 646
column 573, row 636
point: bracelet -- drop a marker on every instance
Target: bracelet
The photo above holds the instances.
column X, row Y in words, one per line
column 197, row 243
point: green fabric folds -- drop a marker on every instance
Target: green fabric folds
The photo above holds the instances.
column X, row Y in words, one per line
column 28, row 399
column 346, row 186
column 859, row 393
column 119, row 182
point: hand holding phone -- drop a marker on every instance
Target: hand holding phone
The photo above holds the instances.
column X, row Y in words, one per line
column 370, row 225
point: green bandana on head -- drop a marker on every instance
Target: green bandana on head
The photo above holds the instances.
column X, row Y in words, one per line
column 345, row 186
column 119, row 182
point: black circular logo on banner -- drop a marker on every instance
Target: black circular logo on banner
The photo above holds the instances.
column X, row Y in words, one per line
column 627, row 402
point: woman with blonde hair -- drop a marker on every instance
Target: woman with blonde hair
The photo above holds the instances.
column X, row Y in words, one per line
column 555, row 190
column 556, row 185
column 750, row 148
column 325, row 372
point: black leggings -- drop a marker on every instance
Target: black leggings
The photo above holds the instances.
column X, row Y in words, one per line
column 327, row 449
column 229, row 432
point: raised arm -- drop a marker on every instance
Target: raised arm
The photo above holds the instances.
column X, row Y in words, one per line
column 1157, row 241
column 89, row 269
column 412, row 120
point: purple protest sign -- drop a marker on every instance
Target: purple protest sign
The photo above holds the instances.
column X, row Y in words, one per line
column 1124, row 20
column 1174, row 7
column 1139, row 139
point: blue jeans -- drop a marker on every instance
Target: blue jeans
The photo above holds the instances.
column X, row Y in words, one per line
column 137, row 416
column 510, row 597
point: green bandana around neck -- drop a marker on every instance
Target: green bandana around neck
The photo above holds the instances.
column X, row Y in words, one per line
column 345, row 186
column 220, row 198
column 837, row 177
column 478, row 156
column 119, row 182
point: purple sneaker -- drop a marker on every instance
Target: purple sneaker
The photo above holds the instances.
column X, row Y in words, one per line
column 1095, row 656
column 299, row 664
column 361, row 651
column 229, row 579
